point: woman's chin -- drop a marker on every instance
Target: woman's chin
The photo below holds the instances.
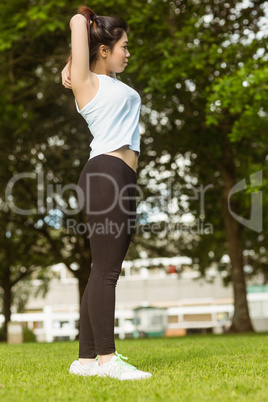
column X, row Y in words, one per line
column 122, row 68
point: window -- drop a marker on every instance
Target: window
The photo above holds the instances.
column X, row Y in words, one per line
column 136, row 321
column 197, row 317
column 37, row 324
column 61, row 324
column 173, row 319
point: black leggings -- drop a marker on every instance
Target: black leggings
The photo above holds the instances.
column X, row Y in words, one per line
column 107, row 195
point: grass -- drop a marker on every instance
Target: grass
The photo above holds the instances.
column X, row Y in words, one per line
column 192, row 368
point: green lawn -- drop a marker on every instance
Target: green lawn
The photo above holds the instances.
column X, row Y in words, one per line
column 192, row 368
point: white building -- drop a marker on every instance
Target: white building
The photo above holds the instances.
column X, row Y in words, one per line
column 191, row 304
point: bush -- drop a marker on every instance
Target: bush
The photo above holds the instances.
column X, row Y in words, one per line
column 28, row 335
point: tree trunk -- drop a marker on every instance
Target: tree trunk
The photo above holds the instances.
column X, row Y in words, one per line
column 241, row 320
column 6, row 307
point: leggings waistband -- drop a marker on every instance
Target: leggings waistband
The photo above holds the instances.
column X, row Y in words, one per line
column 116, row 160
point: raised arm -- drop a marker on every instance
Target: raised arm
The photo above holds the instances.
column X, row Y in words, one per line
column 80, row 69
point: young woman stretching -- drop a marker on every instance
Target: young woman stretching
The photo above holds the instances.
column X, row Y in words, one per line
column 107, row 184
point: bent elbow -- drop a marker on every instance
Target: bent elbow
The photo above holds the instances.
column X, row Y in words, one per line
column 77, row 19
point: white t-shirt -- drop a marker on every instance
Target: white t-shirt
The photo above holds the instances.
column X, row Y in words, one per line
column 113, row 116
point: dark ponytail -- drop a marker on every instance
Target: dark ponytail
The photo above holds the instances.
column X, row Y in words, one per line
column 88, row 14
column 103, row 31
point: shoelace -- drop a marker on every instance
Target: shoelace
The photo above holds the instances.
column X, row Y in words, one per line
column 123, row 364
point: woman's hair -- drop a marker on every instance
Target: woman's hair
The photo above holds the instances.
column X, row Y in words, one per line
column 103, row 31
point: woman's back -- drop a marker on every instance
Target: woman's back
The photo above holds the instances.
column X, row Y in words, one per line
column 113, row 116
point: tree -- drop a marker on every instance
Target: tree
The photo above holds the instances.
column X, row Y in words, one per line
column 33, row 130
column 192, row 79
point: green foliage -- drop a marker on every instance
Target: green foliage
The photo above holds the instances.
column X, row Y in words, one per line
column 242, row 94
column 19, row 17
column 28, row 335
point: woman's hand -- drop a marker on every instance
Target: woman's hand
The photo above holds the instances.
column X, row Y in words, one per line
column 65, row 77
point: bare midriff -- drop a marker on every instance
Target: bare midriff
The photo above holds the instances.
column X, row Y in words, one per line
column 129, row 156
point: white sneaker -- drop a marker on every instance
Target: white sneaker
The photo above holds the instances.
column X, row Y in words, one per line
column 117, row 368
column 84, row 369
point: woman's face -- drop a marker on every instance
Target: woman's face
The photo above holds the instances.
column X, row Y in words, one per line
column 117, row 59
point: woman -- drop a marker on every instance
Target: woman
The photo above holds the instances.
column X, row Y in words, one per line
column 107, row 184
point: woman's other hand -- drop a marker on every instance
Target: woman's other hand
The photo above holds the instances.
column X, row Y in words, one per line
column 65, row 77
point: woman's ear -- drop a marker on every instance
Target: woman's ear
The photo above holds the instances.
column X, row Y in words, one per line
column 103, row 51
